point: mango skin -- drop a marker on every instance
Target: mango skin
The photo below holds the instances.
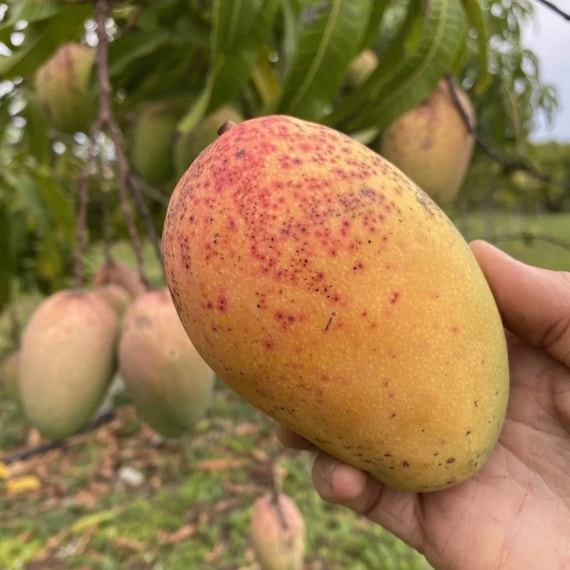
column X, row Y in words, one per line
column 277, row 532
column 67, row 361
column 63, row 87
column 361, row 67
column 431, row 145
column 331, row 292
column 169, row 383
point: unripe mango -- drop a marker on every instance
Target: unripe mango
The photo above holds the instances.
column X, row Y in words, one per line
column 62, row 84
column 67, row 360
column 332, row 293
column 361, row 67
column 191, row 144
column 431, row 143
column 116, row 296
column 168, row 381
column 153, row 141
column 119, row 273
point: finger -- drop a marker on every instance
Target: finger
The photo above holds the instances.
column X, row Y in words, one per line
column 534, row 302
column 291, row 439
column 395, row 510
column 339, row 483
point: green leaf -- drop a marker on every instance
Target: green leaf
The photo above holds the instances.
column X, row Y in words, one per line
column 373, row 28
column 43, row 38
column 265, row 80
column 124, row 50
column 57, row 205
column 47, row 207
column 36, row 130
column 290, row 11
column 6, row 259
column 24, row 193
column 49, row 258
column 478, row 21
column 230, row 67
column 93, row 520
column 30, row 11
column 329, row 39
column 196, row 111
column 234, row 22
column 406, row 74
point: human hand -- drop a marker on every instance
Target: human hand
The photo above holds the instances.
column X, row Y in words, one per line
column 515, row 512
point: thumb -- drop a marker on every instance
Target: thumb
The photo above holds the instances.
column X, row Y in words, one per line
column 534, row 303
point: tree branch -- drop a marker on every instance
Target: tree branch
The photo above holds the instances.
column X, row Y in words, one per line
column 82, row 207
column 102, row 15
column 555, row 9
column 529, row 237
column 508, row 162
column 41, row 448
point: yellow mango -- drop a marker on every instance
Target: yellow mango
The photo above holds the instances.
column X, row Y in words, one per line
column 332, row 293
column 431, row 144
column 277, row 532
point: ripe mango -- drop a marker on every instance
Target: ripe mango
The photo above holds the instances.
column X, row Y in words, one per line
column 332, row 293
column 167, row 380
column 119, row 273
column 116, row 296
column 431, row 144
column 277, row 532
column 67, row 360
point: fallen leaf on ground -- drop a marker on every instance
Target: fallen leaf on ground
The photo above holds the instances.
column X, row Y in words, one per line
column 183, row 533
column 129, row 544
column 248, row 428
column 4, row 471
column 220, row 464
column 22, row 484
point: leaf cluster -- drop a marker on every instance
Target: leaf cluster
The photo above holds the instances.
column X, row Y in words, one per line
column 262, row 56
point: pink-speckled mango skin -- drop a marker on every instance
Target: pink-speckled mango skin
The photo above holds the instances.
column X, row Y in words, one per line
column 331, row 292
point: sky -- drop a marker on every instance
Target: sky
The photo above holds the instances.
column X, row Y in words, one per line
column 549, row 38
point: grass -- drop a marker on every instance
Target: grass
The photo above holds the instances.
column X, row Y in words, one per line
column 192, row 509
column 514, row 234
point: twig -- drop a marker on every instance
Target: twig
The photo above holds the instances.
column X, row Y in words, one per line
column 82, row 204
column 41, row 448
column 531, row 236
column 508, row 162
column 106, row 236
column 145, row 213
column 102, row 14
column 31, row 451
column 152, row 192
column 555, row 9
